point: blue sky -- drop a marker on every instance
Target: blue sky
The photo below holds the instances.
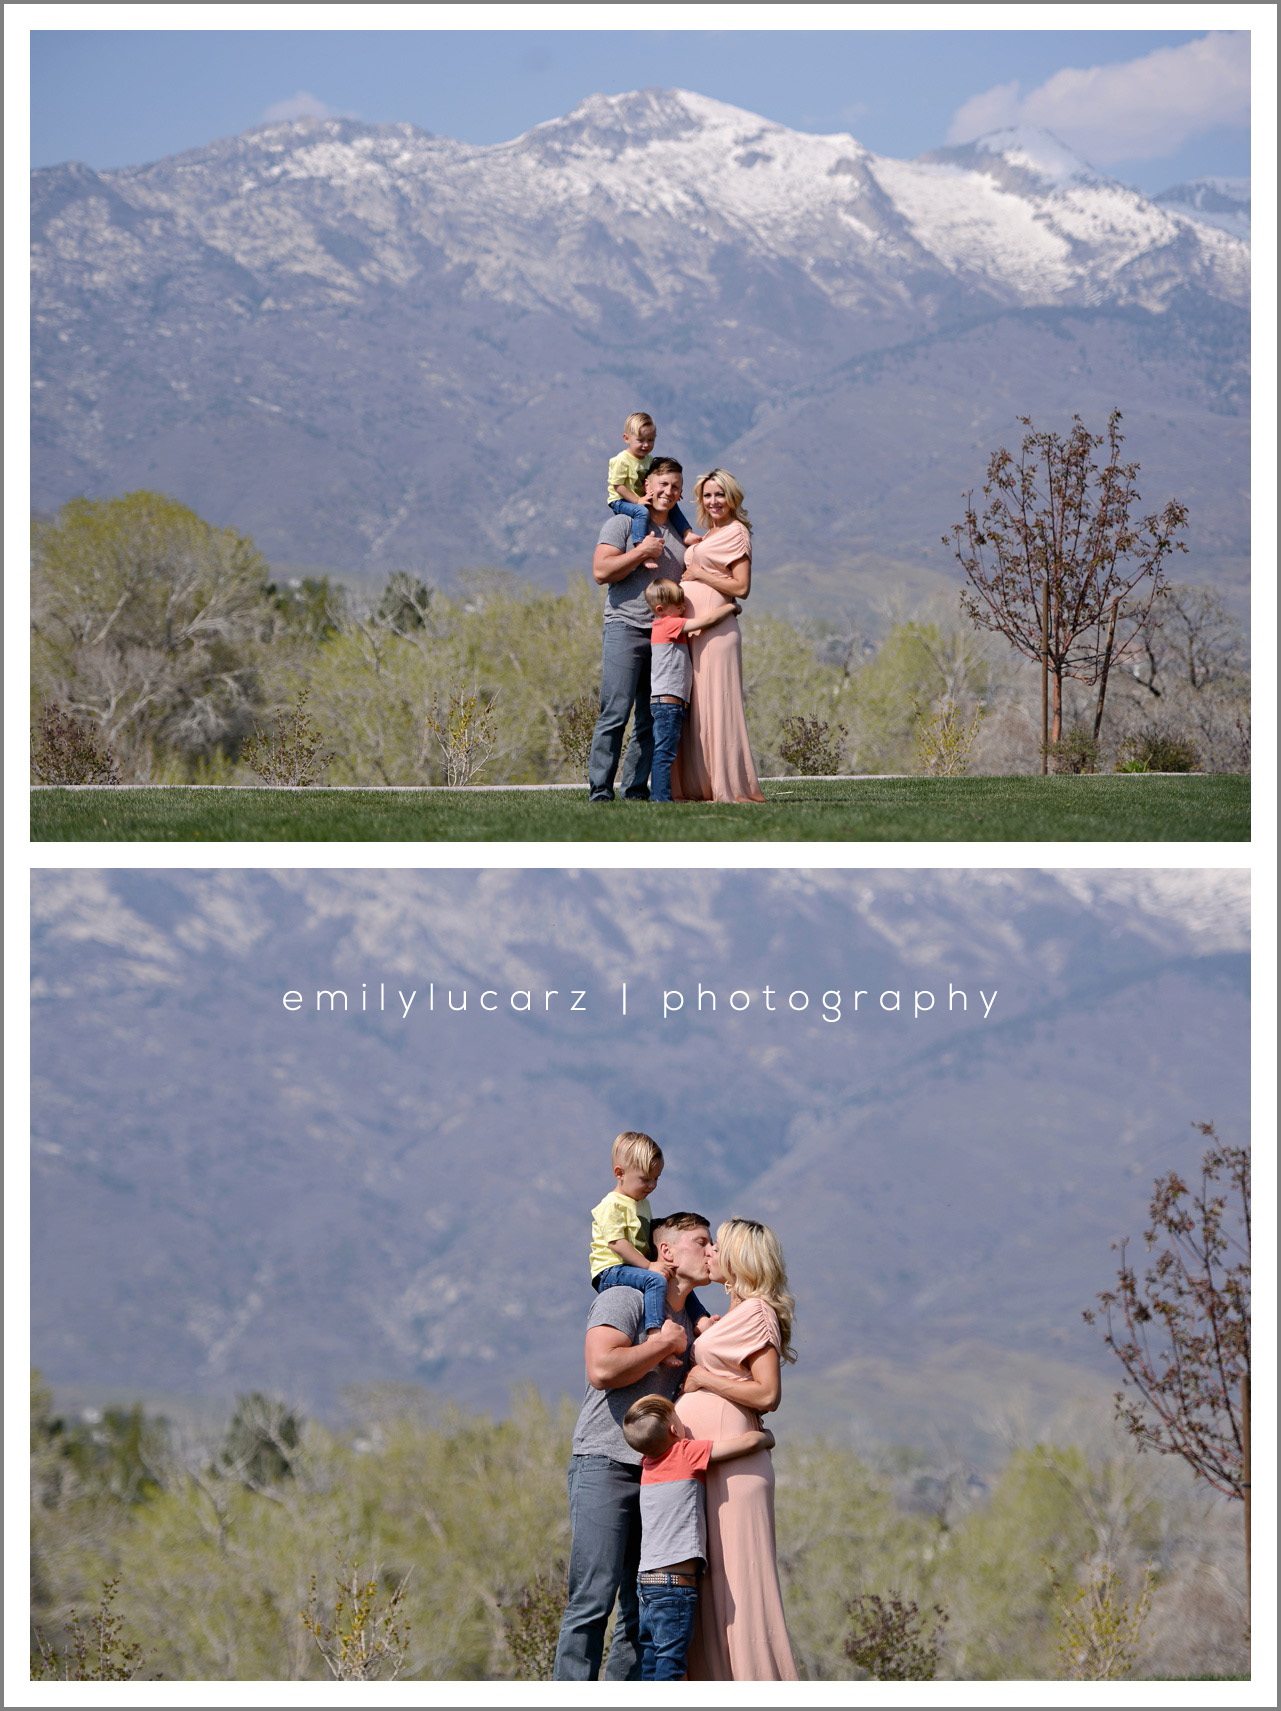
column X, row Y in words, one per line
column 1151, row 107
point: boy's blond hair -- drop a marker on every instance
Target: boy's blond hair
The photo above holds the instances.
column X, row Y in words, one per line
column 663, row 592
column 634, row 1151
column 638, row 419
column 647, row 1424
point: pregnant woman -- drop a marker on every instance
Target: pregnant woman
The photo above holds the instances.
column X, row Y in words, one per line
column 736, row 1377
column 715, row 760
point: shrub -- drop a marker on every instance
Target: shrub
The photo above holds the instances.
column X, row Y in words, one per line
column 533, row 1624
column 365, row 1637
column 465, row 730
column 67, row 750
column 575, row 722
column 96, row 1650
column 893, row 1639
column 812, row 746
column 291, row 753
column 1076, row 751
column 945, row 740
column 1099, row 1627
column 1157, row 749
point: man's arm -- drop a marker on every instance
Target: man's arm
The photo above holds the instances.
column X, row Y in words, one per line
column 744, row 1444
column 612, row 564
column 614, row 1361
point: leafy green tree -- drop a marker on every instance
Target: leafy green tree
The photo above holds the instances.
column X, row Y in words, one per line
column 262, row 1440
column 1001, row 1602
column 783, row 679
column 310, row 607
column 919, row 669
column 404, row 602
column 148, row 620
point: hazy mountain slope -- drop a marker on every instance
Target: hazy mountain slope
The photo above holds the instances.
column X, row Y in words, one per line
column 225, row 1195
column 373, row 347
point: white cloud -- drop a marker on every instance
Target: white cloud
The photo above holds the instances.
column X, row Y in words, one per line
column 1141, row 110
column 303, row 105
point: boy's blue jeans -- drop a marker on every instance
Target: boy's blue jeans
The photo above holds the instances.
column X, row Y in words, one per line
column 653, row 1286
column 641, row 525
column 669, row 720
column 666, row 1628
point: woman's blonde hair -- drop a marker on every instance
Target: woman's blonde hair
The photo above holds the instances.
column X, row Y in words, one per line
column 733, row 492
column 752, row 1261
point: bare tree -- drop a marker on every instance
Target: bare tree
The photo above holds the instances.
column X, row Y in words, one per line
column 1058, row 564
column 1190, row 639
column 1181, row 1329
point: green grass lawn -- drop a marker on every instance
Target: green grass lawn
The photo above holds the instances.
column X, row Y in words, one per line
column 1130, row 808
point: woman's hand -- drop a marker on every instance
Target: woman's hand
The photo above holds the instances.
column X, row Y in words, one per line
column 694, row 1380
column 734, row 583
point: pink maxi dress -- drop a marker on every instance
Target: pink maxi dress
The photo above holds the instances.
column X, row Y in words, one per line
column 714, row 762
column 740, row 1634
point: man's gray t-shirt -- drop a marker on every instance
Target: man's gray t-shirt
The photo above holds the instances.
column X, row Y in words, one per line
column 599, row 1431
column 625, row 600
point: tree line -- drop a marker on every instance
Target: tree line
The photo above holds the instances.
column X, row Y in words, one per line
column 165, row 651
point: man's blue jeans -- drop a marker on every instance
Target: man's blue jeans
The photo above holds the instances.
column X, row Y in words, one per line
column 669, row 721
column 641, row 524
column 604, row 1557
column 666, row 1628
column 624, row 685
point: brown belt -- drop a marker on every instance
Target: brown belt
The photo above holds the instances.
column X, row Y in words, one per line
column 660, row 1577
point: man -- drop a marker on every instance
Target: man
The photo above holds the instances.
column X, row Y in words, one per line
column 604, row 1471
column 626, row 571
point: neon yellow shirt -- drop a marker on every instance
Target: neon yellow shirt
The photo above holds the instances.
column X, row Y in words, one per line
column 617, row 1219
column 631, row 471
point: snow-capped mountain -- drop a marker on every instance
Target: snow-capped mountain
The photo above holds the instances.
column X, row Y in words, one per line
column 1220, row 202
column 332, row 334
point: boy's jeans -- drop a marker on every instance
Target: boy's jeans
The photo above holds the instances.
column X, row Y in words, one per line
column 641, row 525
column 653, row 1286
column 666, row 1628
column 669, row 719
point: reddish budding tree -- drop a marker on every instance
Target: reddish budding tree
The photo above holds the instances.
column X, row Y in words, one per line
column 1058, row 564
column 1181, row 1329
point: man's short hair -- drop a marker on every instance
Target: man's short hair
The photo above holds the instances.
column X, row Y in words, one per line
column 664, row 466
column 647, row 1424
column 677, row 1221
column 633, row 1150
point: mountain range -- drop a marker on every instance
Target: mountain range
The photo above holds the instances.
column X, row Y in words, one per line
column 230, row 1193
column 374, row 348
